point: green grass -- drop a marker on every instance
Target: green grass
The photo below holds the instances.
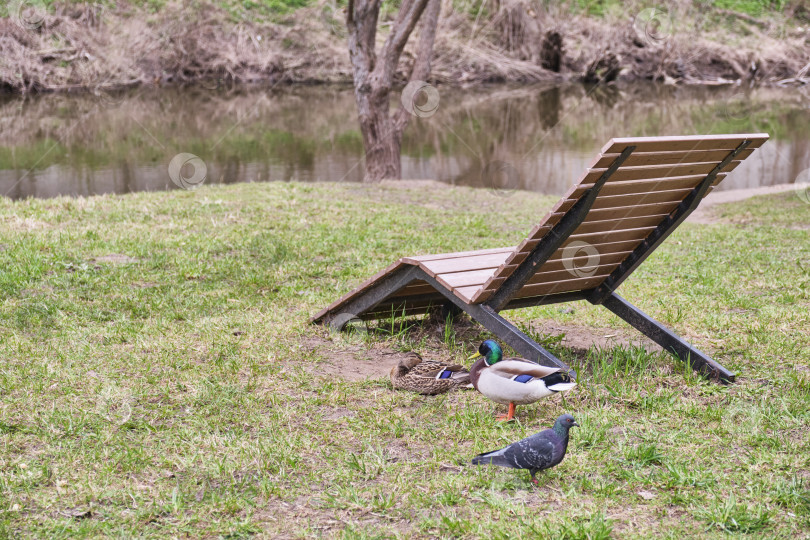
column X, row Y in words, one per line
column 751, row 7
column 159, row 376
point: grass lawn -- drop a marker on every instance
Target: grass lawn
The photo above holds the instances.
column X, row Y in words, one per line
column 159, row 376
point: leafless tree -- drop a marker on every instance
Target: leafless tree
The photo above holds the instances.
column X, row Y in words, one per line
column 374, row 76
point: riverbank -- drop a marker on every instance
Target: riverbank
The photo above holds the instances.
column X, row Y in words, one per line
column 78, row 144
column 161, row 377
column 98, row 47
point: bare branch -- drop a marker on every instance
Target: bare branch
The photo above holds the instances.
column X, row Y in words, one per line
column 424, row 52
column 392, row 49
column 361, row 21
column 427, row 35
column 373, row 76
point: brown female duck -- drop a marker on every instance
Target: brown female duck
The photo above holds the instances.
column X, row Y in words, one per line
column 427, row 377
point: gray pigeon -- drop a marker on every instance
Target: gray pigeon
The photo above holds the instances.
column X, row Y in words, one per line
column 540, row 451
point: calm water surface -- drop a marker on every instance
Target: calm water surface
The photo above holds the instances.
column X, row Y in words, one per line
column 534, row 138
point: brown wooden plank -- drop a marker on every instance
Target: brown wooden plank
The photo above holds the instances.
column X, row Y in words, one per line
column 611, row 252
column 554, row 267
column 546, row 299
column 692, row 142
column 465, row 279
column 515, row 259
column 644, row 186
column 574, row 273
column 422, row 258
column 618, row 224
column 604, row 249
column 576, row 284
column 655, row 171
column 467, row 293
column 528, row 244
column 630, row 211
column 637, row 159
column 605, row 241
column 415, row 288
column 608, row 257
column 477, row 262
column 630, row 200
column 399, row 302
column 554, row 271
column 559, row 264
column 480, row 295
column 400, row 310
column 603, row 237
column 381, row 316
column 360, row 289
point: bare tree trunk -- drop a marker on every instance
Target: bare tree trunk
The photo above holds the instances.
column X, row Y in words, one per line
column 381, row 139
column 373, row 76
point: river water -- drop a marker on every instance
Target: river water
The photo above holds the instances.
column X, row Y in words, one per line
column 537, row 138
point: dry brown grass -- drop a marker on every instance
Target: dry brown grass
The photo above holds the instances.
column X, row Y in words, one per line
column 82, row 46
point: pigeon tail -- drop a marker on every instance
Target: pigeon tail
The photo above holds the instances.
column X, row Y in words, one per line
column 492, row 458
column 538, row 452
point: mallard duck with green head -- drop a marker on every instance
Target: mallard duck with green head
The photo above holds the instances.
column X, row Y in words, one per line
column 427, row 377
column 514, row 381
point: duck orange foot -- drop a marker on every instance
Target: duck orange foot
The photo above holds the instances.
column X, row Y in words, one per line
column 508, row 416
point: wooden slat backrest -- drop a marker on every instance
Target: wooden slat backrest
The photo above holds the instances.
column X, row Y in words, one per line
column 641, row 193
column 648, row 186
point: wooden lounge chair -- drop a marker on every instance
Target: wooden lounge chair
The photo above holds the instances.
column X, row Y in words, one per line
column 635, row 193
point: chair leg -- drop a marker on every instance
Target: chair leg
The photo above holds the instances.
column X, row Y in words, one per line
column 485, row 315
column 666, row 338
column 523, row 344
column 371, row 297
column 503, row 329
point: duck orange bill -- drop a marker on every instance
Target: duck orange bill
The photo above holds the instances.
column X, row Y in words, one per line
column 473, row 357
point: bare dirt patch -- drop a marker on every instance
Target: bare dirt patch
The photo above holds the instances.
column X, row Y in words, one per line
column 352, row 362
column 581, row 338
column 359, row 361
